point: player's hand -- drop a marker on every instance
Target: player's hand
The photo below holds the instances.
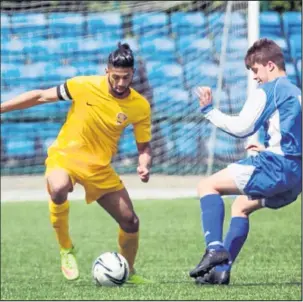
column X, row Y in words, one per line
column 143, row 173
column 204, row 95
column 255, row 147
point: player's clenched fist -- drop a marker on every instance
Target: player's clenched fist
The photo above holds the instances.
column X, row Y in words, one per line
column 204, row 95
column 143, row 173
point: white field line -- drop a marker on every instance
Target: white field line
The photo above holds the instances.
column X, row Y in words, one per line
column 41, row 195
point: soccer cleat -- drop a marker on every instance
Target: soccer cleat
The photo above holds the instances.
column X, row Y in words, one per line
column 69, row 266
column 134, row 278
column 210, row 259
column 214, row 277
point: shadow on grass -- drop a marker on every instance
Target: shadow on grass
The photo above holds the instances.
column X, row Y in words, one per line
column 294, row 283
column 89, row 283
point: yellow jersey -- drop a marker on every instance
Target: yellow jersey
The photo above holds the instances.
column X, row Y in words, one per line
column 96, row 120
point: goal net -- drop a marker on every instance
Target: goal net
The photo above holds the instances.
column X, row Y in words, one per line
column 178, row 45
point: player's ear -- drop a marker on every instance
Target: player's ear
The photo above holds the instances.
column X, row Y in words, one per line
column 106, row 70
column 271, row 65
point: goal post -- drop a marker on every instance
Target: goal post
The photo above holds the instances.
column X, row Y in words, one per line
column 253, row 35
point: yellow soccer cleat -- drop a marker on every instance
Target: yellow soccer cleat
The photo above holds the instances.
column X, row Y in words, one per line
column 134, row 278
column 69, row 266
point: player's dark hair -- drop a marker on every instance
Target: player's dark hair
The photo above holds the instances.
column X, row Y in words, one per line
column 121, row 57
column 263, row 51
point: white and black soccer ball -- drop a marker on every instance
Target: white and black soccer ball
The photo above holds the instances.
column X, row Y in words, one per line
column 110, row 269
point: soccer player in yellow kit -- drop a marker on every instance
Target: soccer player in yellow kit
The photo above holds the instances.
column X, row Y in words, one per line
column 102, row 106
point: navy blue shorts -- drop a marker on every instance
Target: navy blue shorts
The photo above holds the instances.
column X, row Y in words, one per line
column 275, row 179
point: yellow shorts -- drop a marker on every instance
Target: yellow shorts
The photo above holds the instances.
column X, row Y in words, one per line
column 96, row 181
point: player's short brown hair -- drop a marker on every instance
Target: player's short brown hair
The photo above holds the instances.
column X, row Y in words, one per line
column 263, row 51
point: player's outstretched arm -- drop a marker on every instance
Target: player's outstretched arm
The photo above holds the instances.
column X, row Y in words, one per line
column 30, row 99
column 144, row 160
column 246, row 123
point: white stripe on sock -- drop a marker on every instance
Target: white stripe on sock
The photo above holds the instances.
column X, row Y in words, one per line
column 215, row 243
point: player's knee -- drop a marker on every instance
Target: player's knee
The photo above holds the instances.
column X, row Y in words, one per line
column 130, row 223
column 240, row 209
column 59, row 192
column 206, row 187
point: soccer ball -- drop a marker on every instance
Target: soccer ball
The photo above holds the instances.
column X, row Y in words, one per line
column 110, row 269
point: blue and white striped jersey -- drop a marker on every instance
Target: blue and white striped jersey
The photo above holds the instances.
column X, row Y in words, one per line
column 274, row 105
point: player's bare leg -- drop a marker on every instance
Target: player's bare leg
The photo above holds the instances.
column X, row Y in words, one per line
column 59, row 185
column 235, row 238
column 219, row 183
column 210, row 190
column 120, row 207
column 243, row 206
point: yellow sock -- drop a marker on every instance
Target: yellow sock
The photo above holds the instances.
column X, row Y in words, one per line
column 59, row 220
column 128, row 246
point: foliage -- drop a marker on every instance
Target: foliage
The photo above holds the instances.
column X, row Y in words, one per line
column 281, row 6
column 130, row 6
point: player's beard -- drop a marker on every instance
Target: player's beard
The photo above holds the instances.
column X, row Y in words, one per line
column 117, row 93
column 120, row 93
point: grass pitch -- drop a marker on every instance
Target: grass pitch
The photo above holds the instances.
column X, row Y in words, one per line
column 268, row 267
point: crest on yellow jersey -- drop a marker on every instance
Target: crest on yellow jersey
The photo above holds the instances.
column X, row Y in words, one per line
column 121, row 118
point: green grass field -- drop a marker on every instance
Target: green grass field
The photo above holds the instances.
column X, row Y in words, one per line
column 268, row 268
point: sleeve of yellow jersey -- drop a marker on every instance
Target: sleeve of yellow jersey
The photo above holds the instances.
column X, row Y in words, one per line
column 72, row 88
column 142, row 128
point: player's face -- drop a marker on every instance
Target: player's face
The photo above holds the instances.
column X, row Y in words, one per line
column 260, row 73
column 120, row 80
column 263, row 73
